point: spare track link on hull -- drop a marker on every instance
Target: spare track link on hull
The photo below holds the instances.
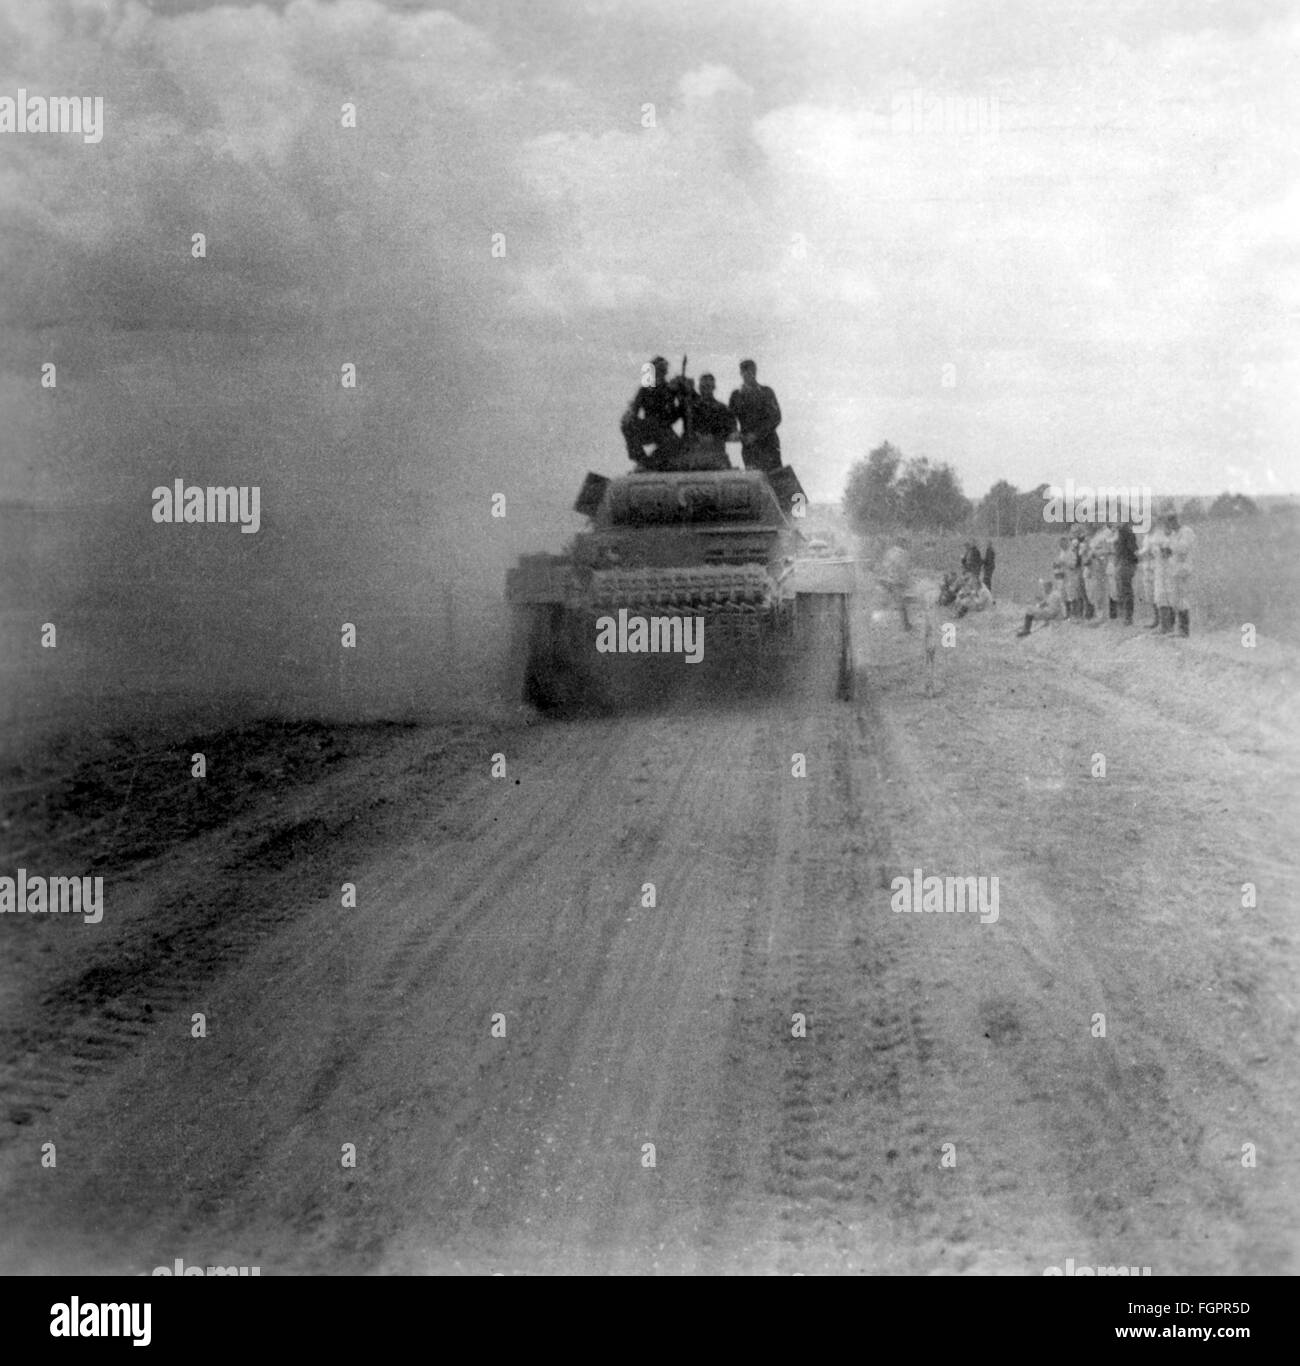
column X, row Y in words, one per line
column 695, row 590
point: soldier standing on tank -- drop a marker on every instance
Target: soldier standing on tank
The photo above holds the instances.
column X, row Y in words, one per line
column 713, row 424
column 649, row 419
column 755, row 408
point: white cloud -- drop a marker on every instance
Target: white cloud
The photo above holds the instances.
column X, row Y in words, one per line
column 1135, row 199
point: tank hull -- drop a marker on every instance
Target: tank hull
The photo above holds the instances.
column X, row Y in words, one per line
column 682, row 573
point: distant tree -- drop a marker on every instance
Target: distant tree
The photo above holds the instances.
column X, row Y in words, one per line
column 949, row 505
column 883, row 491
column 1232, row 505
column 870, row 495
column 1029, row 511
column 1192, row 510
column 930, row 495
column 997, row 509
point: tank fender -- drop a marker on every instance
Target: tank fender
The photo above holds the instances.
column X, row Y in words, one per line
column 823, row 576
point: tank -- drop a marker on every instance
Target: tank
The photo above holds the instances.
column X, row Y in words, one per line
column 682, row 574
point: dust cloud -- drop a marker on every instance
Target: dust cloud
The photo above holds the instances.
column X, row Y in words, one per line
column 218, row 360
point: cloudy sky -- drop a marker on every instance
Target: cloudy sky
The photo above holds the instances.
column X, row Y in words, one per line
column 1037, row 239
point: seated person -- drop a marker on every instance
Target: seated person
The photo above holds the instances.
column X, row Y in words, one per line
column 649, row 421
column 1050, row 607
column 973, row 596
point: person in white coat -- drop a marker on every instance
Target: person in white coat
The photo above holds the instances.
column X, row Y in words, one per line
column 1154, row 549
column 1100, row 578
column 1178, row 574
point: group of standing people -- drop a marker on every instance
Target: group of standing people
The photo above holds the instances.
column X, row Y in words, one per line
column 1094, row 573
column 979, row 567
column 650, row 424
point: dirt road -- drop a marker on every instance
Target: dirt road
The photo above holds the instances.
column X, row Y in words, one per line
column 524, row 899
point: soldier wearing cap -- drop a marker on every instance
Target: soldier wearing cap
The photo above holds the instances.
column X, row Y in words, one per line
column 755, row 408
column 712, row 425
column 649, row 419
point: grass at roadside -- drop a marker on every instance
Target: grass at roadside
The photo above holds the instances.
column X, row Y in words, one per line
column 1245, row 570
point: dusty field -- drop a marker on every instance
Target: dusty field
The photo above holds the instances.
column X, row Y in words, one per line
column 626, row 1025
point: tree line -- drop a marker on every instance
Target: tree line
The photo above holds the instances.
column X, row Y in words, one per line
column 885, row 490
